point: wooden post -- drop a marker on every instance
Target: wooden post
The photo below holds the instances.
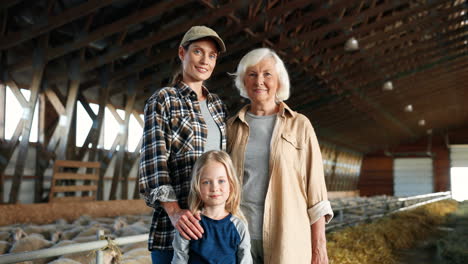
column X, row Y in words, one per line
column 95, row 132
column 136, row 191
column 119, row 173
column 41, row 159
column 28, row 115
column 66, row 120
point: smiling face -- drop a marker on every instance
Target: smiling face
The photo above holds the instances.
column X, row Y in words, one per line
column 198, row 61
column 261, row 82
column 214, row 185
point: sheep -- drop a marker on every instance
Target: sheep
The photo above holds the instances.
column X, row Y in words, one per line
column 119, row 223
column 88, row 231
column 30, row 243
column 4, row 246
column 83, row 220
column 49, row 232
column 5, row 235
column 64, row 261
column 136, row 228
column 137, row 256
column 72, row 233
column 83, row 239
column 89, row 257
column 127, row 248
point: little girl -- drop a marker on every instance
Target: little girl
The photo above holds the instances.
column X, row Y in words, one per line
column 215, row 191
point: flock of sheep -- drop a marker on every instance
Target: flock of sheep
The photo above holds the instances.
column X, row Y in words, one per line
column 21, row 238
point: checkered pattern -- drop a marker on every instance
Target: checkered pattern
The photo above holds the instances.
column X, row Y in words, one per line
column 174, row 136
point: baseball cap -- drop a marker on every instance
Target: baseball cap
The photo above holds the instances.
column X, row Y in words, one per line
column 198, row 32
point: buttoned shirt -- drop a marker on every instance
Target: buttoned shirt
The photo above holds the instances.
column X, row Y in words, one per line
column 174, row 136
column 296, row 192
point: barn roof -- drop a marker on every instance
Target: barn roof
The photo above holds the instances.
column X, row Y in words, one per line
column 418, row 48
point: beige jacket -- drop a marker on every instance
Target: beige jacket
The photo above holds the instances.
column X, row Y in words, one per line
column 296, row 195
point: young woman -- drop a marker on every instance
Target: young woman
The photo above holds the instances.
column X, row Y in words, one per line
column 215, row 192
column 181, row 123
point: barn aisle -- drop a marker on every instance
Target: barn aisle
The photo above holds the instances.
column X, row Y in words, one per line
column 449, row 246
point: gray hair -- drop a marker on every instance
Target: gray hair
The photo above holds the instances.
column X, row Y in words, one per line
column 254, row 57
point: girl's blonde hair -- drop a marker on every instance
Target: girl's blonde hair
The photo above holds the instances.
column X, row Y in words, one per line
column 233, row 202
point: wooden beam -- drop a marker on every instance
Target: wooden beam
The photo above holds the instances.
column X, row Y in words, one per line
column 5, row 4
column 86, row 106
column 170, row 32
column 70, row 109
column 421, row 48
column 41, row 159
column 104, row 31
column 54, row 22
column 55, row 101
column 28, row 119
column 17, row 93
column 437, row 56
column 119, row 164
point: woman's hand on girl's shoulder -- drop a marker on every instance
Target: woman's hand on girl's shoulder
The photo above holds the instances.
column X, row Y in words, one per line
column 187, row 224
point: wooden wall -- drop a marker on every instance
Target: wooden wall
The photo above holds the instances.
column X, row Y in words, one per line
column 341, row 167
column 376, row 176
column 377, row 169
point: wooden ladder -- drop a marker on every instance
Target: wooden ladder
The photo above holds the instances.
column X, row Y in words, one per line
column 86, row 183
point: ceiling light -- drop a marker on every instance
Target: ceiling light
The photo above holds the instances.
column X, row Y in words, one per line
column 387, row 86
column 429, row 131
column 351, row 44
column 422, row 122
column 409, row 108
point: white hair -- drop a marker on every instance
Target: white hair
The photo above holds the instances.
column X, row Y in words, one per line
column 254, row 57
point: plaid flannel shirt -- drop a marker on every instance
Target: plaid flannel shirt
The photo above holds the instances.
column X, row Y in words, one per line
column 174, row 137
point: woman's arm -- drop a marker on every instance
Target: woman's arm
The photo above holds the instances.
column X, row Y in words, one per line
column 155, row 179
column 319, row 242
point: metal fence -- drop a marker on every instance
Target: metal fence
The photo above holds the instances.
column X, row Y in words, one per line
column 352, row 215
column 371, row 211
column 98, row 246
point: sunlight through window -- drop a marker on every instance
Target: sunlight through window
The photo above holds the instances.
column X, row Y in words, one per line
column 14, row 112
column 459, row 182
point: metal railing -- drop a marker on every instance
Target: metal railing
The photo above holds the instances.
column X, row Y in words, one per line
column 98, row 246
column 383, row 208
column 102, row 243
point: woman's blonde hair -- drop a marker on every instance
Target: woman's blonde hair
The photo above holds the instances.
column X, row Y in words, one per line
column 233, row 202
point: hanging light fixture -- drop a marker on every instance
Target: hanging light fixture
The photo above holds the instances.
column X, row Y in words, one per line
column 351, row 44
column 387, row 86
column 409, row 108
column 429, row 131
column 422, row 122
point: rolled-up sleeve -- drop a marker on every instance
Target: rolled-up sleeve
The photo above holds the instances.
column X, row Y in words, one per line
column 154, row 180
column 317, row 198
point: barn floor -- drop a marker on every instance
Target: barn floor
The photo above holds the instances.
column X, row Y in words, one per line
column 450, row 246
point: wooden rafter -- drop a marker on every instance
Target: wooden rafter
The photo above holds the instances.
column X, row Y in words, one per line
column 54, row 22
column 28, row 119
column 102, row 32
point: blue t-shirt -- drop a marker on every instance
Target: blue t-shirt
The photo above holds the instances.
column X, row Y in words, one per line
column 224, row 241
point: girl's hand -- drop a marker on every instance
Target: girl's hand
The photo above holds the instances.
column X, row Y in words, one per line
column 187, row 224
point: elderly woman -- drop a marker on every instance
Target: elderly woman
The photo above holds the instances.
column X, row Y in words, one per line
column 278, row 160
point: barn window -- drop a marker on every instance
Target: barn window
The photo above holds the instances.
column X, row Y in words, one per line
column 14, row 112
